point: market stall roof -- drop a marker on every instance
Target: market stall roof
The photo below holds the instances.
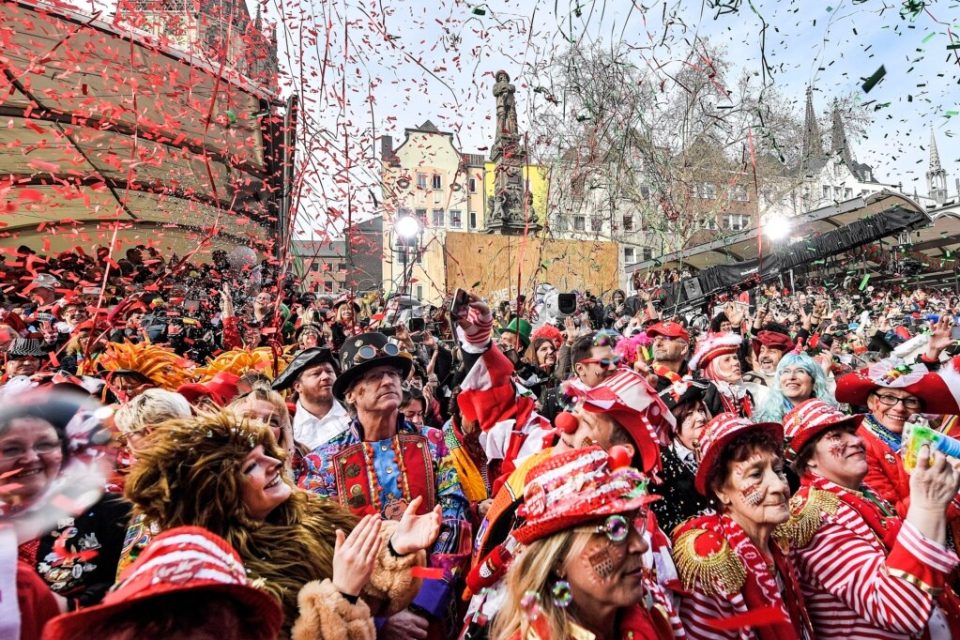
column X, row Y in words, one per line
column 743, row 245
column 106, row 131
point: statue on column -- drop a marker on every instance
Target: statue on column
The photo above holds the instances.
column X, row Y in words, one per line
column 506, row 106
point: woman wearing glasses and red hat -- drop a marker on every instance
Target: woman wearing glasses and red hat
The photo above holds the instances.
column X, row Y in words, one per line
column 581, row 571
column 864, row 571
column 739, row 582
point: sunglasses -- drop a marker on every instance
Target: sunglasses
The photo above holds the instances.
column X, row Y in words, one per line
column 617, row 527
column 606, row 363
column 369, row 352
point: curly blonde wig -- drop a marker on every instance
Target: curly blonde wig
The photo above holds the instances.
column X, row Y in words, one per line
column 190, row 473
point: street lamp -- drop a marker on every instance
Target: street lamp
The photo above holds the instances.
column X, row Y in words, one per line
column 777, row 227
column 407, row 229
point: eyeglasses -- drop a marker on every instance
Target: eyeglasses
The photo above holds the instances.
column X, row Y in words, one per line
column 617, row 527
column 891, row 401
column 15, row 451
column 606, row 363
column 369, row 352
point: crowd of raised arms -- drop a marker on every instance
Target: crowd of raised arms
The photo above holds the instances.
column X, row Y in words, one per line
column 200, row 450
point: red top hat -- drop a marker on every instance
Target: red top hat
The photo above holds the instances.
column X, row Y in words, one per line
column 574, row 487
column 221, row 388
column 933, row 391
column 603, row 399
column 668, row 329
column 717, row 434
column 808, row 420
column 713, row 346
column 182, row 559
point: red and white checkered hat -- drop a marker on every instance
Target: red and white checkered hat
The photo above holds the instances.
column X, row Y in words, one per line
column 181, row 559
column 717, row 433
column 574, row 487
column 713, row 346
column 808, row 420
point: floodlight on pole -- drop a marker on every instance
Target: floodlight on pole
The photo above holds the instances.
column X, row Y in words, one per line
column 407, row 228
column 777, row 227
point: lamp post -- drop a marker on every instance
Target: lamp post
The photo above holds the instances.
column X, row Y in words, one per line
column 407, row 229
column 776, row 228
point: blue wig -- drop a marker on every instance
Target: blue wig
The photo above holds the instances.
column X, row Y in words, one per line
column 776, row 405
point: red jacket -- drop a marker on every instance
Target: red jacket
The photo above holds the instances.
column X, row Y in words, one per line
column 886, row 475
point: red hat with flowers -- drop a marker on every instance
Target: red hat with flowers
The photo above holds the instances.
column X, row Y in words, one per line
column 575, row 487
column 717, row 434
column 669, row 330
column 183, row 559
column 808, row 420
column 714, row 346
column 892, row 373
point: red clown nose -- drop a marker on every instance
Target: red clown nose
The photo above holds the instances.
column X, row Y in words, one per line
column 566, row 422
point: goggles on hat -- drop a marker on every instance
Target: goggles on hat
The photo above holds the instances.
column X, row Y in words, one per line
column 369, row 352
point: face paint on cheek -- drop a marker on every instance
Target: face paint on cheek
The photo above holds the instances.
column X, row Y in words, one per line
column 836, row 450
column 601, row 562
column 752, row 495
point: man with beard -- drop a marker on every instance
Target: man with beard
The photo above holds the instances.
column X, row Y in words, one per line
column 768, row 347
column 671, row 345
column 718, row 361
column 514, row 339
column 319, row 416
column 864, row 571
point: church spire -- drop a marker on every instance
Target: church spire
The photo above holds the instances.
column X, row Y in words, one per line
column 812, row 151
column 838, row 138
column 936, row 176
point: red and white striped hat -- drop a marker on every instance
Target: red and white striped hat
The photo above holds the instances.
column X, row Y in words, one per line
column 808, row 420
column 713, row 346
column 181, row 559
column 717, row 433
column 574, row 487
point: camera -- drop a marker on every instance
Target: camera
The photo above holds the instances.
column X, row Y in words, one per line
column 566, row 303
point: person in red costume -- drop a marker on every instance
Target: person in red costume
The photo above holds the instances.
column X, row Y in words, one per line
column 866, row 573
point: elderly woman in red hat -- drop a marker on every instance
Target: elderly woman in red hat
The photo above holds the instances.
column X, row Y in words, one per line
column 739, row 582
column 865, row 572
column 892, row 392
column 581, row 571
column 717, row 359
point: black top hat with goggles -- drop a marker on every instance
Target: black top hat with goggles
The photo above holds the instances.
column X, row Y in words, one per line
column 365, row 352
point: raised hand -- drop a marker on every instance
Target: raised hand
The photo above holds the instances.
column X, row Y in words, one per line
column 416, row 532
column 355, row 556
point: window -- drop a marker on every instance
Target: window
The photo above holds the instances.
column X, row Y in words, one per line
column 419, row 292
column 473, row 219
column 421, row 181
column 646, row 253
column 627, row 222
column 645, row 192
column 561, row 222
column 826, row 191
column 472, row 185
column 579, row 223
column 456, row 219
column 738, row 221
column 738, row 193
column 437, row 182
column 847, row 193
column 328, row 285
column 707, row 191
column 596, row 224
column 422, row 215
column 438, row 217
column 837, row 193
column 628, row 255
column 710, row 223
column 315, row 267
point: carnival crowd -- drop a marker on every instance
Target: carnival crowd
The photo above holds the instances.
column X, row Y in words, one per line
column 201, row 450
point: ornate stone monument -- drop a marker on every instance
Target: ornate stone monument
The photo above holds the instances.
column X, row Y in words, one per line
column 509, row 213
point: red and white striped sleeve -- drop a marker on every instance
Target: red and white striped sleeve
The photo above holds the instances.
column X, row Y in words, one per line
column 697, row 609
column 478, row 331
column 844, row 560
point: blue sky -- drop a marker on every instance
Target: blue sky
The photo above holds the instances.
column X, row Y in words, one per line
column 435, row 60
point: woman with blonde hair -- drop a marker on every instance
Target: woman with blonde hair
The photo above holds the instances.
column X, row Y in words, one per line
column 580, row 572
column 266, row 405
column 137, row 417
column 225, row 474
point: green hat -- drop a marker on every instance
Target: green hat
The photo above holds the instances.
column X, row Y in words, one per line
column 520, row 327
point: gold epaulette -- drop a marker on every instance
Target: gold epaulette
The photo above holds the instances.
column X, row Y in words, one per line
column 806, row 516
column 707, row 562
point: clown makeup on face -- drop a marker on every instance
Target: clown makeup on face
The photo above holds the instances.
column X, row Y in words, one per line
column 755, row 491
column 607, row 573
column 840, row 456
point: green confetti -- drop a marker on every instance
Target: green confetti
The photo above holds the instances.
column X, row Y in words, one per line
column 951, row 47
column 479, row 11
column 872, row 81
column 928, row 37
column 863, row 283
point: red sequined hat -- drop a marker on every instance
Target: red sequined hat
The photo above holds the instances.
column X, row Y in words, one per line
column 713, row 346
column 183, row 559
column 717, row 434
column 932, row 389
column 574, row 487
column 808, row 420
